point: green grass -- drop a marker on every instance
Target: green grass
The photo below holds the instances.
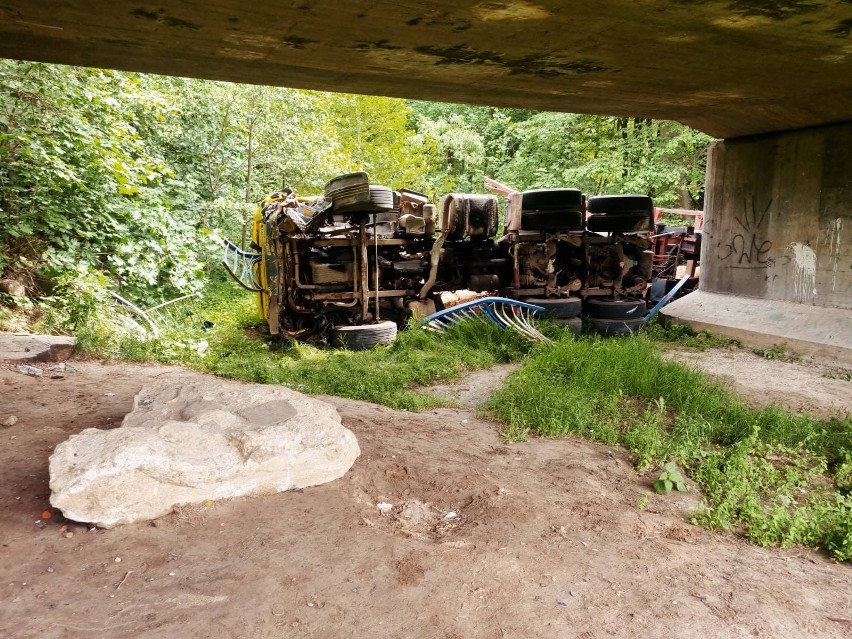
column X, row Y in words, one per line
column 775, row 477
column 390, row 375
column 683, row 335
column 387, row 375
column 622, row 391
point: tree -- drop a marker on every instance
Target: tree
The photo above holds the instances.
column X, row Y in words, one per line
column 111, row 173
column 608, row 155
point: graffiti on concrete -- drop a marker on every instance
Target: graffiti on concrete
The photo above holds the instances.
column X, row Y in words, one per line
column 748, row 247
column 834, row 250
column 804, row 262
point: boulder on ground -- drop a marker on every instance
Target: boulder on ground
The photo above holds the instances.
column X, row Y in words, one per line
column 12, row 287
column 191, row 439
column 35, row 348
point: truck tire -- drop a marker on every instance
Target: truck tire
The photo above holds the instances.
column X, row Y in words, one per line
column 364, row 336
column 612, row 327
column 551, row 199
column 621, row 204
column 564, row 308
column 619, row 223
column 574, row 324
column 615, row 309
column 553, row 220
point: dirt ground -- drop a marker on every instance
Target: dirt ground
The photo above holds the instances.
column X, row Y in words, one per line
column 818, row 388
column 549, row 541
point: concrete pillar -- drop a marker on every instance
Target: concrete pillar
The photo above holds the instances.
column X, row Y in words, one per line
column 776, row 264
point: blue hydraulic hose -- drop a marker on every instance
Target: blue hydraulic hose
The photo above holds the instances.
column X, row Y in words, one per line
column 484, row 300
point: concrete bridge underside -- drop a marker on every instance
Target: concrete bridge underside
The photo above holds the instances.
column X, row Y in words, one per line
column 771, row 77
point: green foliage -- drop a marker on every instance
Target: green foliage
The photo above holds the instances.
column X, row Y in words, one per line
column 464, row 143
column 81, row 185
column 778, row 351
column 367, row 133
column 600, row 155
column 529, row 150
column 670, row 478
column 12, row 319
column 776, row 495
column 76, row 306
column 684, row 335
column 843, row 474
column 390, row 375
column 622, row 391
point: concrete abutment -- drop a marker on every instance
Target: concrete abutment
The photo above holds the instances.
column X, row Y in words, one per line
column 777, row 247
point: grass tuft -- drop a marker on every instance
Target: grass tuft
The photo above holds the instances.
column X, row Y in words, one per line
column 622, row 391
column 776, row 477
column 238, row 349
column 684, row 335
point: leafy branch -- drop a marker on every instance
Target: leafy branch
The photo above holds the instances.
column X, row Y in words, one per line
column 670, row 478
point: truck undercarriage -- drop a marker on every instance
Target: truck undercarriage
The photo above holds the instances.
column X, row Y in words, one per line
column 364, row 255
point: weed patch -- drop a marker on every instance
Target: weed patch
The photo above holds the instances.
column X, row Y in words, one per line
column 779, row 351
column 767, row 473
column 775, row 495
column 235, row 348
column 684, row 335
column 776, row 477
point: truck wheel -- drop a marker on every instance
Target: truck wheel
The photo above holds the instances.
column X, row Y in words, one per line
column 574, row 324
column 558, row 308
column 552, row 220
column 620, row 204
column 616, row 309
column 364, row 336
column 551, row 199
column 636, row 222
column 612, row 327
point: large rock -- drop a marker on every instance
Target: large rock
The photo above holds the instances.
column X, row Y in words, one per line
column 13, row 288
column 25, row 347
column 189, row 440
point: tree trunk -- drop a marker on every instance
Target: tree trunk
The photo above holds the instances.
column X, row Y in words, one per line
column 248, row 163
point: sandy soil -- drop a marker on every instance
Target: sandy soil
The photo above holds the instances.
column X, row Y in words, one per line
column 549, row 541
column 812, row 387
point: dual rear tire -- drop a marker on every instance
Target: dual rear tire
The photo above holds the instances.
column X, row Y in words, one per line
column 616, row 317
column 564, row 308
column 620, row 214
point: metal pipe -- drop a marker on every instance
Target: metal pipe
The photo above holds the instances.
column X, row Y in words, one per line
column 291, row 294
column 666, row 234
column 497, row 187
column 376, row 257
column 436, row 258
column 365, row 266
column 516, row 273
column 138, row 312
column 296, row 270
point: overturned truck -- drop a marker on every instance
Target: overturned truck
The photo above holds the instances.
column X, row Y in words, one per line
column 352, row 265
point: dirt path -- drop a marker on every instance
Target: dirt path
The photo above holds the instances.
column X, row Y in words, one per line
column 811, row 387
column 476, row 387
column 548, row 542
